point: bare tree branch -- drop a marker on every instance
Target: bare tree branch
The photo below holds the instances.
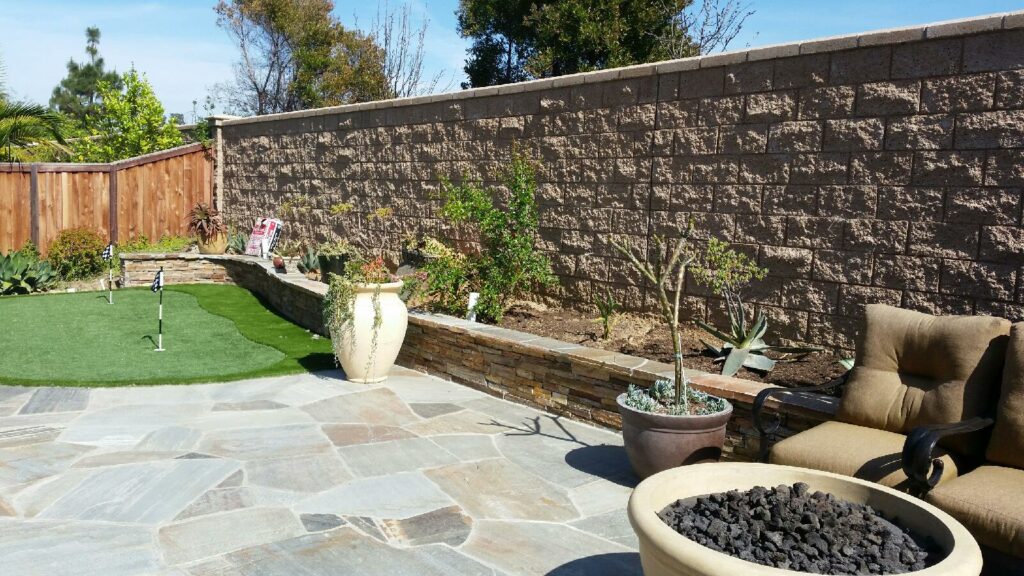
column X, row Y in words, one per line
column 403, row 46
column 709, row 26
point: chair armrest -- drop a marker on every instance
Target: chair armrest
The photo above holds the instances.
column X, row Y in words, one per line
column 766, row 428
column 919, row 462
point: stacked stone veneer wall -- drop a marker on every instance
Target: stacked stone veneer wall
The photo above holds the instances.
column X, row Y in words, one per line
column 882, row 167
column 558, row 377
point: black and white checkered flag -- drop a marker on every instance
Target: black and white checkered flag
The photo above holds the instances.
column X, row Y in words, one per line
column 108, row 252
column 158, row 282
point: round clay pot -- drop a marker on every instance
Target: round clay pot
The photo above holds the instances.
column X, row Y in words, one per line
column 216, row 245
column 331, row 265
column 355, row 350
column 656, row 442
column 665, row 552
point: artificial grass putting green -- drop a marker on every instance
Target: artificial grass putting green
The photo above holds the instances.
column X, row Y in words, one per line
column 211, row 333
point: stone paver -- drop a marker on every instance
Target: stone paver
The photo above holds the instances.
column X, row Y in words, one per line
column 306, row 474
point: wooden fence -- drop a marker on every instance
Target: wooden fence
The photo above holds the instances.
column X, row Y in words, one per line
column 148, row 195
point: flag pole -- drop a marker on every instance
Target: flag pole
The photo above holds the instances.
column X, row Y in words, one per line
column 160, row 317
column 110, row 281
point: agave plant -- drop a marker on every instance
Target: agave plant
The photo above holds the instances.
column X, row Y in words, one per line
column 19, row 274
column 309, row 262
column 236, row 242
column 743, row 344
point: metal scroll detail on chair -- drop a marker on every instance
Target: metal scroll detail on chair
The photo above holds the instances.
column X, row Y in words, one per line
column 919, row 463
column 767, row 428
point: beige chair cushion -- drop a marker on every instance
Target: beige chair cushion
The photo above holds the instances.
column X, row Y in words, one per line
column 1007, row 444
column 866, row 453
column 914, row 369
column 989, row 501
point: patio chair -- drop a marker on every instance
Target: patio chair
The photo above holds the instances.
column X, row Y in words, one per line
column 988, row 500
column 911, row 370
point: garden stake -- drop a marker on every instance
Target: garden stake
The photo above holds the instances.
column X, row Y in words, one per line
column 158, row 286
column 108, row 255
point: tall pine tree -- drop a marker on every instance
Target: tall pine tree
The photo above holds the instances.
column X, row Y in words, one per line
column 77, row 95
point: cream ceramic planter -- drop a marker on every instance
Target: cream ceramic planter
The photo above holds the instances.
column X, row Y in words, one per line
column 665, row 552
column 362, row 359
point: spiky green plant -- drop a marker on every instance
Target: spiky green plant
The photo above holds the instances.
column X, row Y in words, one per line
column 608, row 309
column 20, row 274
column 309, row 262
column 727, row 272
column 236, row 242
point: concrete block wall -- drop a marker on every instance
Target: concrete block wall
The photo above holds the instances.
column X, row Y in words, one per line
column 879, row 167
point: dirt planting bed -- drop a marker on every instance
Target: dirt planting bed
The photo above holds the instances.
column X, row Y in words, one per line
column 643, row 335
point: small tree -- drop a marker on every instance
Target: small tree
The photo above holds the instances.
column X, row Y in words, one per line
column 128, row 123
column 509, row 264
column 665, row 269
column 77, row 96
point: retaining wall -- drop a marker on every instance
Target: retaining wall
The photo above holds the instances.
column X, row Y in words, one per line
column 879, row 167
column 561, row 378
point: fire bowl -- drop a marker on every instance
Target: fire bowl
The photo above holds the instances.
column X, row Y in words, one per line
column 665, row 552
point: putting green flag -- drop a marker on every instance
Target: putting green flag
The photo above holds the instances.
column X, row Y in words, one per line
column 158, row 286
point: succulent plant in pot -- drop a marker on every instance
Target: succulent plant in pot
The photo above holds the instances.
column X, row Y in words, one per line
column 333, row 257
column 671, row 424
column 205, row 222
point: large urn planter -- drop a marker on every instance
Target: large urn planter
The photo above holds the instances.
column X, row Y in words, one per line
column 665, row 552
column 215, row 245
column 367, row 353
column 657, row 442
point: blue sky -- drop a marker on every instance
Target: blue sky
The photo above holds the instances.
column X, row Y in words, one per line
column 178, row 45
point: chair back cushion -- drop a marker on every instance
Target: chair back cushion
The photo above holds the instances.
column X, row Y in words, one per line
column 1007, row 444
column 913, row 369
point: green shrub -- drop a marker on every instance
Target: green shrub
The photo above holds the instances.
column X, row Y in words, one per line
column 510, row 264
column 449, row 277
column 77, row 253
column 30, row 251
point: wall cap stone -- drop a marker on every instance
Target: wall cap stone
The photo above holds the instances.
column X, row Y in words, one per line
column 943, row 29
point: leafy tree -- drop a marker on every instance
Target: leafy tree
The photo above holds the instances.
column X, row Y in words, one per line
column 77, row 95
column 30, row 132
column 522, row 39
column 503, row 40
column 295, row 55
column 129, row 122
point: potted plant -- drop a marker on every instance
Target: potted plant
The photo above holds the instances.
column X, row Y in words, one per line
column 333, row 257
column 366, row 318
column 670, row 424
column 205, row 222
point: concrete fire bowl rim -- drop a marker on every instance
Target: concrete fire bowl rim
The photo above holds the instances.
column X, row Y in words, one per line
column 665, row 552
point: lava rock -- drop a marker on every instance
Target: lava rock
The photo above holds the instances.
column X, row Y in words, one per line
column 792, row 528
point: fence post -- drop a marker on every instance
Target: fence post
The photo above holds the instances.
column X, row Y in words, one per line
column 112, row 177
column 33, row 199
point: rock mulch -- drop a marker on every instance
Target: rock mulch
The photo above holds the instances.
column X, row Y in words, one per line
column 792, row 528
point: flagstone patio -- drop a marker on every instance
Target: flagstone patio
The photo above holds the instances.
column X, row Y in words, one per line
column 305, row 475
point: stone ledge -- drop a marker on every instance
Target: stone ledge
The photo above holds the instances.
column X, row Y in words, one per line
column 943, row 29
